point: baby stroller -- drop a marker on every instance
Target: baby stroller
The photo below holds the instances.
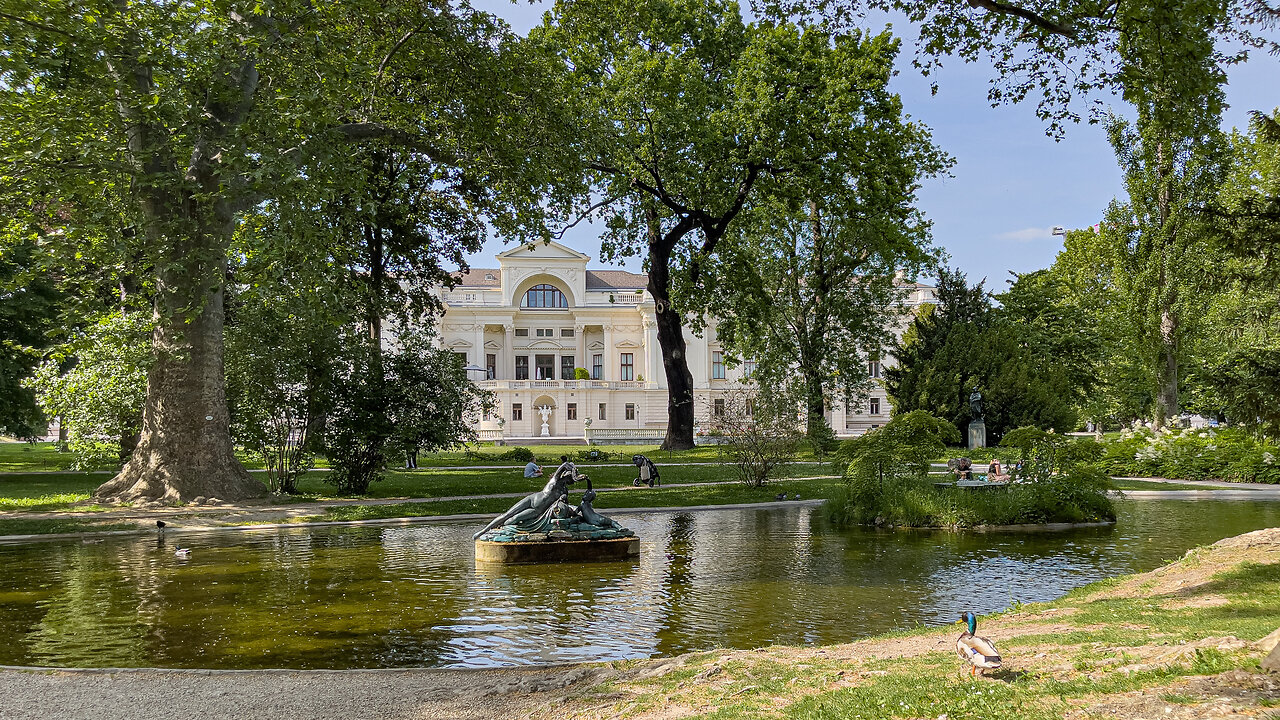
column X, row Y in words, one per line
column 648, row 472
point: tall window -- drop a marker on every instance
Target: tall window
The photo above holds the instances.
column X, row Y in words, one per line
column 631, row 411
column 545, row 366
column 571, row 411
column 544, row 296
column 522, row 367
column 874, row 408
column 748, row 368
column 717, row 365
column 597, row 366
column 628, row 367
column 873, row 368
column 517, row 412
column 603, row 416
column 718, row 407
column 490, row 366
column 566, row 367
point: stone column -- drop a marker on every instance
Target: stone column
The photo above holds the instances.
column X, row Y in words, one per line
column 609, row 372
column 478, row 354
column 653, row 370
column 580, row 333
column 507, row 358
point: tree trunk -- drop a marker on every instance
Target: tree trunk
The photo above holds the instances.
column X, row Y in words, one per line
column 816, row 421
column 1167, row 391
column 675, row 361
column 185, row 450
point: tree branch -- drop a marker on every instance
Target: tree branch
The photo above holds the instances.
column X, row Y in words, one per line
column 1039, row 21
column 36, row 25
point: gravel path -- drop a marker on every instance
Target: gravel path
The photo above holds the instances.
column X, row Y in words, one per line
column 32, row 694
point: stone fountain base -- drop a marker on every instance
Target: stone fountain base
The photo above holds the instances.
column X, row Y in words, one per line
column 524, row 552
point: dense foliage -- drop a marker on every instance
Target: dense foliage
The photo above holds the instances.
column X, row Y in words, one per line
column 887, row 482
column 1025, row 357
column 1193, row 454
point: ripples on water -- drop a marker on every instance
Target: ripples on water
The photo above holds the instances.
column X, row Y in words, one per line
column 412, row 596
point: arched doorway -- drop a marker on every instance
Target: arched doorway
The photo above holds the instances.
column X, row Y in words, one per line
column 554, row 421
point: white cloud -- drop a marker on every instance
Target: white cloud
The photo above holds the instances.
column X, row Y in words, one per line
column 1027, row 234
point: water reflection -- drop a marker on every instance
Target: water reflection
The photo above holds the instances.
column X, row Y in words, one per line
column 412, row 596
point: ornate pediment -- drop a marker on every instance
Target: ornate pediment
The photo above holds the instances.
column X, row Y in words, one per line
column 492, row 345
column 628, row 344
column 458, row 343
column 596, row 345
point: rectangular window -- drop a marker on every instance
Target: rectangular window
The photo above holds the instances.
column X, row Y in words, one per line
column 522, row 367
column 597, row 366
column 874, row 408
column 628, row 367
column 603, row 416
column 545, row 367
column 566, row 332
column 748, row 368
column 517, row 412
column 462, row 358
column 631, row 411
column 571, row 411
column 717, row 365
column 522, row 332
column 717, row 408
column 490, row 366
column 546, row 332
column 566, row 367
column 873, row 368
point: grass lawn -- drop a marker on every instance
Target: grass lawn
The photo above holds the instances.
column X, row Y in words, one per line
column 490, row 454
column 36, row 492
column 727, row 494
column 28, row 457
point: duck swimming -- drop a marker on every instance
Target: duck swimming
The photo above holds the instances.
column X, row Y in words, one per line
column 979, row 652
column 182, row 552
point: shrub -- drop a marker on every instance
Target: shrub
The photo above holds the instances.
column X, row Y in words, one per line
column 594, row 455
column 1231, row 454
column 523, row 454
column 757, row 437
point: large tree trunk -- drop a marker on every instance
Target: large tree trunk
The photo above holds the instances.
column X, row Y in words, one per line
column 675, row 361
column 185, row 448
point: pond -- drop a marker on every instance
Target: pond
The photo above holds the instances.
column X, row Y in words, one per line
column 411, row 596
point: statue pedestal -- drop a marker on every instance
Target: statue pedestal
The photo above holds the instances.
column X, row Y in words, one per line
column 977, row 434
column 553, row 551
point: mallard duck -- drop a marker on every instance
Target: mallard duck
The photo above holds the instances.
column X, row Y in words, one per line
column 182, row 552
column 979, row 652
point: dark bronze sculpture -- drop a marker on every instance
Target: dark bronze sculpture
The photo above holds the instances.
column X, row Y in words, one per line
column 547, row 515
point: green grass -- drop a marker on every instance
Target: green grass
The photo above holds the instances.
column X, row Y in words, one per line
column 22, row 526
column 448, row 483
column 35, row 492
column 489, row 454
column 38, row 457
column 727, row 494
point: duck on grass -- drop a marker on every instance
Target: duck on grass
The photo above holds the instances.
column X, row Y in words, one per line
column 887, row 482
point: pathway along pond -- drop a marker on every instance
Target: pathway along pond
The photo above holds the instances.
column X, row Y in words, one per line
column 411, row 596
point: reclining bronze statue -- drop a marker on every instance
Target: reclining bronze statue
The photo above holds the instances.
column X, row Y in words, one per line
column 547, row 515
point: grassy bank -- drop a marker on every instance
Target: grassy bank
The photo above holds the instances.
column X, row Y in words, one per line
column 1174, row 643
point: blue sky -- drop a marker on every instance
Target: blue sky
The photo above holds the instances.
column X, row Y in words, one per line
column 1011, row 183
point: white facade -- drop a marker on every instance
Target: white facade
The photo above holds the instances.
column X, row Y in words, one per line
column 598, row 320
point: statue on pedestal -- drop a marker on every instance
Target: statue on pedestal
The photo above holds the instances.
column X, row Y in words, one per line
column 547, row 515
column 545, row 412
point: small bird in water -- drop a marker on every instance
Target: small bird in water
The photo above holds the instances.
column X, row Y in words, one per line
column 182, row 552
column 978, row 651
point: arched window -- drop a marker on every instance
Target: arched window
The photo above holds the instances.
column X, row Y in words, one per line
column 544, row 296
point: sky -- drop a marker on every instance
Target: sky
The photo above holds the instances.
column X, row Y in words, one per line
column 1011, row 184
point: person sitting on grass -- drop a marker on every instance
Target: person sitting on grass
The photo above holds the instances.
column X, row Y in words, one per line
column 532, row 470
column 996, row 474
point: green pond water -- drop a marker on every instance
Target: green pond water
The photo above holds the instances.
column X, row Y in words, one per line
column 412, row 596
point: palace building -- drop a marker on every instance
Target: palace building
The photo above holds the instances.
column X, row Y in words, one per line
column 540, row 321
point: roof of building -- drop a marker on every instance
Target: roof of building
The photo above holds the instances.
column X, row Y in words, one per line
column 479, row 277
column 616, row 280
